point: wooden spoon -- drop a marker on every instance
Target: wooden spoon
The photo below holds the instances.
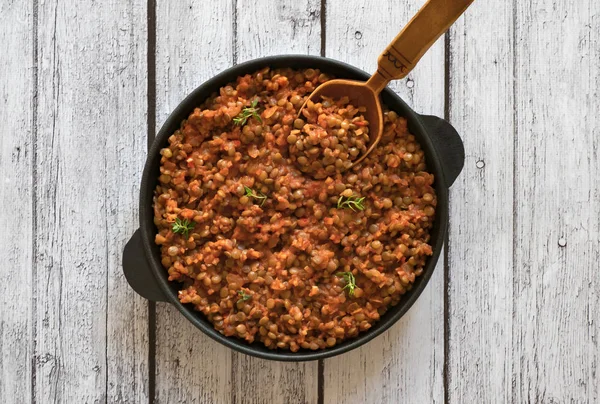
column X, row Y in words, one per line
column 398, row 59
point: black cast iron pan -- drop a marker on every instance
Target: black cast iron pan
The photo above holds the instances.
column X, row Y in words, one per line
column 444, row 154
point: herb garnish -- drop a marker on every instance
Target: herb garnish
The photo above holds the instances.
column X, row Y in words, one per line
column 182, row 226
column 246, row 113
column 251, row 194
column 352, row 202
column 244, row 297
column 350, row 282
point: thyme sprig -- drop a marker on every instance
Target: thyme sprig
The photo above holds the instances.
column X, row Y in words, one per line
column 258, row 196
column 352, row 202
column 246, row 113
column 182, row 226
column 244, row 297
column 350, row 282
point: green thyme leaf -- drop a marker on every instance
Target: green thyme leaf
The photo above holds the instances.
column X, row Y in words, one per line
column 258, row 196
column 350, row 282
column 247, row 112
column 352, row 202
column 182, row 226
column 244, row 297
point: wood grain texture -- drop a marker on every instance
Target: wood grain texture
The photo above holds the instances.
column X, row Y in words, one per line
column 277, row 27
column 193, row 43
column 259, row 381
column 273, row 28
column 480, row 250
column 125, row 149
column 410, row 354
column 557, row 232
column 17, row 89
column 90, row 327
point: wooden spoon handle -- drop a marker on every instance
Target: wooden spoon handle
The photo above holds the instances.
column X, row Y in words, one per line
column 403, row 53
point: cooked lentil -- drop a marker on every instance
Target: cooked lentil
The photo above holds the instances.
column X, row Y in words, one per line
column 276, row 270
column 334, row 135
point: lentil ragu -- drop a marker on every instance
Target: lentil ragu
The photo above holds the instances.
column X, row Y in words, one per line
column 268, row 253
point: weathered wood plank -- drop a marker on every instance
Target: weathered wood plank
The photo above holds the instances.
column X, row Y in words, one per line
column 557, row 231
column 126, row 128
column 412, row 352
column 193, row 43
column 481, row 210
column 90, row 147
column 17, row 87
column 272, row 28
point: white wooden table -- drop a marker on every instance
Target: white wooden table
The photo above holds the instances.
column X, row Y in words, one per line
column 512, row 312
